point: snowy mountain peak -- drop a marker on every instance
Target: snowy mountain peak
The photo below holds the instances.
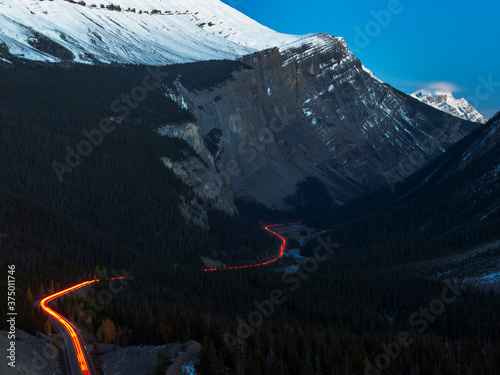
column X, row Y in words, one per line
column 446, row 102
column 152, row 32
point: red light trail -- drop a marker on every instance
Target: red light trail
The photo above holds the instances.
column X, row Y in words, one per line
column 73, row 333
column 282, row 250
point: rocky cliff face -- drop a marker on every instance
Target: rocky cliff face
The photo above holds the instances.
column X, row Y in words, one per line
column 200, row 174
column 307, row 107
column 312, row 109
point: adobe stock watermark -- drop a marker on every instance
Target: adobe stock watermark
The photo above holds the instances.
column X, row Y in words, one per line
column 419, row 321
column 483, row 91
column 41, row 358
column 248, row 150
column 277, row 297
column 381, row 19
column 252, row 145
column 416, row 157
column 121, row 108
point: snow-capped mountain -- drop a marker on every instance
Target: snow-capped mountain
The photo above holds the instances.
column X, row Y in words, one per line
column 154, row 32
column 306, row 107
column 445, row 102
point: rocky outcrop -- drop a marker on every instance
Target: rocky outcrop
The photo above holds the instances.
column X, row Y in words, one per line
column 312, row 109
column 444, row 101
column 199, row 173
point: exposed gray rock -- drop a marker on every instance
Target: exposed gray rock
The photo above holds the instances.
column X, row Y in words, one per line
column 207, row 186
column 34, row 355
column 312, row 109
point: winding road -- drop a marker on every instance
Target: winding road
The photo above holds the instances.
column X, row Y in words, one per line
column 282, row 250
column 76, row 356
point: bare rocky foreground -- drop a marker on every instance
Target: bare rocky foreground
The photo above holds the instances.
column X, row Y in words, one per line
column 38, row 356
column 34, row 355
column 134, row 360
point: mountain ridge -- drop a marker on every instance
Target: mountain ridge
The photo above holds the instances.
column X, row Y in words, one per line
column 150, row 32
column 337, row 121
column 446, row 102
column 311, row 109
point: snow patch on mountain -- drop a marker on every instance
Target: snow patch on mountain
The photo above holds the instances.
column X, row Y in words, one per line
column 445, row 102
column 313, row 44
column 371, row 73
column 152, row 32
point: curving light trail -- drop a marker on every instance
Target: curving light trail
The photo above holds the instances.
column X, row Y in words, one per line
column 282, row 250
column 73, row 333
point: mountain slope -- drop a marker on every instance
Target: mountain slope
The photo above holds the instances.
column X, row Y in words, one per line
column 311, row 109
column 306, row 107
column 445, row 102
column 153, row 32
column 451, row 205
column 118, row 185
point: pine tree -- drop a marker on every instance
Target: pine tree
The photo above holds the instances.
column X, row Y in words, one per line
column 29, row 295
column 47, row 328
column 109, row 331
column 41, row 291
column 208, row 360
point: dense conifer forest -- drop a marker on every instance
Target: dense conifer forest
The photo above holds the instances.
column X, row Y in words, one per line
column 117, row 211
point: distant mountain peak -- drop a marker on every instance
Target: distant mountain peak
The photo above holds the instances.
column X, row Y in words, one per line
column 446, row 102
